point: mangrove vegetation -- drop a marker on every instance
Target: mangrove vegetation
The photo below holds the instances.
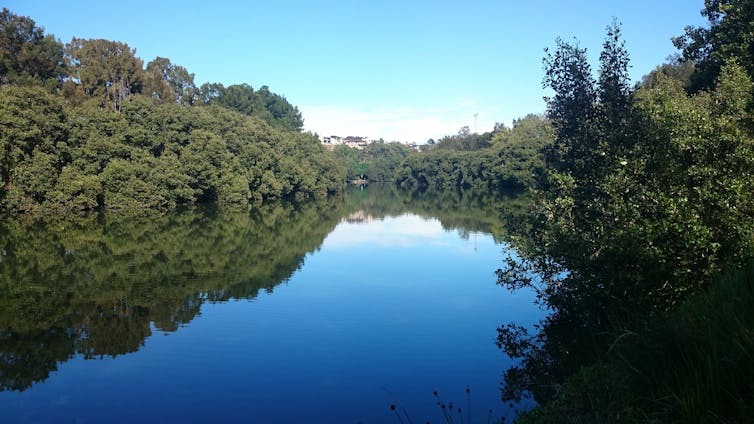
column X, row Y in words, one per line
column 630, row 205
column 86, row 126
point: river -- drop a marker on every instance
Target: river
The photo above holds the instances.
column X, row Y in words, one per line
column 323, row 312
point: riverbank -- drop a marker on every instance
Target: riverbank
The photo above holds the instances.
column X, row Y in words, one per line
column 694, row 364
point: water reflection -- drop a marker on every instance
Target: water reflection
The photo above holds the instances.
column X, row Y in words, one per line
column 410, row 230
column 99, row 287
column 93, row 285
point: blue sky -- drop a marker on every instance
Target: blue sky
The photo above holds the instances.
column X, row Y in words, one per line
column 402, row 70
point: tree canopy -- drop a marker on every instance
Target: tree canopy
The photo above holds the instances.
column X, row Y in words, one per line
column 508, row 159
column 88, row 126
column 728, row 36
column 645, row 204
column 27, row 55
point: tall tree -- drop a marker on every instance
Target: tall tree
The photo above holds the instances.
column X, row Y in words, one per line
column 106, row 70
column 209, row 92
column 27, row 54
column 284, row 114
column 170, row 82
column 240, row 97
column 614, row 85
column 573, row 108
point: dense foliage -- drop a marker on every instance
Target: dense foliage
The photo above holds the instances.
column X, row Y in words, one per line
column 28, row 55
column 729, row 35
column 694, row 364
column 377, row 162
column 648, row 200
column 644, row 193
column 262, row 103
column 87, row 126
column 463, row 141
column 510, row 159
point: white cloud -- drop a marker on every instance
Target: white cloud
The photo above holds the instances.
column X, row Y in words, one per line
column 409, row 124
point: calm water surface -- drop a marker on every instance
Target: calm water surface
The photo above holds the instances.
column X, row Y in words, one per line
column 324, row 313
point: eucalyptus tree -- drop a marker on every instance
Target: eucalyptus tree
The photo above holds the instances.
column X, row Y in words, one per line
column 170, row 82
column 108, row 71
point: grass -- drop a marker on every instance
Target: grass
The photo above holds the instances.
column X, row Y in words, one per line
column 698, row 364
column 452, row 414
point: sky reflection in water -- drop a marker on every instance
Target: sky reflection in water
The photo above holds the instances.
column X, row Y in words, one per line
column 384, row 312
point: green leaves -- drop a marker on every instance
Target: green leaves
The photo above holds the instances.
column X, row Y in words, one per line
column 168, row 82
column 151, row 155
column 121, row 136
column 27, row 55
column 513, row 160
column 30, row 121
column 729, row 36
column 107, row 70
column 263, row 104
column 649, row 200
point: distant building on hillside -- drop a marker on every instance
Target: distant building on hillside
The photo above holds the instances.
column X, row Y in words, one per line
column 356, row 142
column 332, row 140
column 411, row 145
column 351, row 141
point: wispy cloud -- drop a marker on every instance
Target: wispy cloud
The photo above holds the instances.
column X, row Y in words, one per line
column 397, row 124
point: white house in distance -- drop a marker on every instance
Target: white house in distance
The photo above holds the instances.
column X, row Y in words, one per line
column 350, row 141
column 332, row 140
column 356, row 142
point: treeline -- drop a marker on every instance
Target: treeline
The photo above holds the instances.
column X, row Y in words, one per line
column 647, row 202
column 502, row 160
column 87, row 126
column 505, row 159
column 377, row 162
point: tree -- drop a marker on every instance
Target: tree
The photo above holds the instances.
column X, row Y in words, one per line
column 284, row 114
column 31, row 121
column 209, row 92
column 108, row 71
column 156, row 85
column 651, row 209
column 169, row 82
column 614, row 87
column 27, row 54
column 731, row 27
column 204, row 160
column 572, row 110
column 240, row 97
column 117, row 136
column 499, row 127
column 263, row 104
column 676, row 68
